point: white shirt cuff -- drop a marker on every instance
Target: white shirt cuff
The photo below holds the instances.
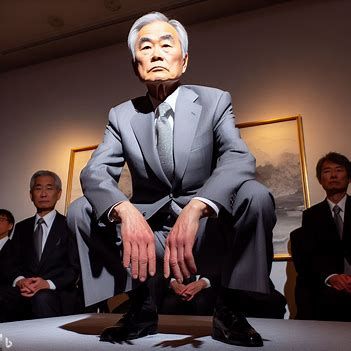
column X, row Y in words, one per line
column 110, row 216
column 16, row 280
column 210, row 203
column 52, row 285
column 327, row 278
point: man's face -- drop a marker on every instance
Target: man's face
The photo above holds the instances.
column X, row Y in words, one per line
column 44, row 194
column 334, row 178
column 158, row 53
column 5, row 226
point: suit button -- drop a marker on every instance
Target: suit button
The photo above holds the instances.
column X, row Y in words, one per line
column 144, row 213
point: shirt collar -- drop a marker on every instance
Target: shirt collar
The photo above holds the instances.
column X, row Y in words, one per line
column 171, row 100
column 48, row 218
column 341, row 204
column 3, row 241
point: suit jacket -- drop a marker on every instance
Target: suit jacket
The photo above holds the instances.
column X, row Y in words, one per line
column 59, row 261
column 6, row 263
column 211, row 160
column 324, row 251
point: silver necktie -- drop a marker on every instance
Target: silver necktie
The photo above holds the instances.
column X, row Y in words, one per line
column 338, row 220
column 165, row 140
column 38, row 237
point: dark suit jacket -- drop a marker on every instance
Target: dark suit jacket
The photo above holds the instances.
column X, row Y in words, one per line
column 59, row 261
column 6, row 264
column 324, row 250
column 317, row 252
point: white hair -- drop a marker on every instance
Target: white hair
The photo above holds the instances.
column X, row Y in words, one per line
column 155, row 17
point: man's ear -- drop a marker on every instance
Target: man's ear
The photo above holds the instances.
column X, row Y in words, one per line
column 30, row 195
column 185, row 62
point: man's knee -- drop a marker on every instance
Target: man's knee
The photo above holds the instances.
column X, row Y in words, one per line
column 78, row 211
column 257, row 194
column 44, row 297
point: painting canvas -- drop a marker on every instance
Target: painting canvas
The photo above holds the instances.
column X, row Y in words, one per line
column 280, row 165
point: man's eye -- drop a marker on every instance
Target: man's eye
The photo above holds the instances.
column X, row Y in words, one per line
column 166, row 45
column 146, row 47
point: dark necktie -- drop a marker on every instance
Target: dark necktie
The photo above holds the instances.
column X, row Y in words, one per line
column 165, row 140
column 38, row 237
column 338, row 220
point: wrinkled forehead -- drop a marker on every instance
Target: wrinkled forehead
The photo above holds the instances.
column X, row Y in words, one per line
column 157, row 31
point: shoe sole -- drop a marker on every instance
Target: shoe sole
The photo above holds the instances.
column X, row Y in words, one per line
column 221, row 338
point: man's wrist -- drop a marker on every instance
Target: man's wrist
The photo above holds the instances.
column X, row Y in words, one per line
column 200, row 208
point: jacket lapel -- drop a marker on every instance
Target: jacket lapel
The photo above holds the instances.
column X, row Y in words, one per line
column 186, row 119
column 347, row 217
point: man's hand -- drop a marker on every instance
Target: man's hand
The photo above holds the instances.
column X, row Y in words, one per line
column 139, row 251
column 341, row 282
column 180, row 241
column 30, row 286
column 192, row 289
column 177, row 287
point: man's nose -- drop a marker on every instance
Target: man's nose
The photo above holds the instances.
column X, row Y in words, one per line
column 157, row 54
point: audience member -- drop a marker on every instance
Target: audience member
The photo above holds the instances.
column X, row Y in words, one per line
column 321, row 249
column 46, row 267
column 7, row 222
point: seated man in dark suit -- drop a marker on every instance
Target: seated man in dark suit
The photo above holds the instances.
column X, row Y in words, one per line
column 45, row 270
column 321, row 249
column 7, row 222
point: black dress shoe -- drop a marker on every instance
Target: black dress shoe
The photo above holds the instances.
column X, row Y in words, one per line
column 140, row 320
column 233, row 328
column 131, row 326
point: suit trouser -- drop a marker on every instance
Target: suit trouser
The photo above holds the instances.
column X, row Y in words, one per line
column 13, row 306
column 239, row 244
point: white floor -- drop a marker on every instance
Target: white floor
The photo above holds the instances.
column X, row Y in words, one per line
column 81, row 332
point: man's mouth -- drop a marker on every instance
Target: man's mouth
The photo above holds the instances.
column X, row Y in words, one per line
column 157, row 68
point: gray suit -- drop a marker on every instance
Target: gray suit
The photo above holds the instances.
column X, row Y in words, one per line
column 211, row 161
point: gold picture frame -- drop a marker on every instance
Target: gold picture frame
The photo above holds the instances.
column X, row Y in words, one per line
column 279, row 149
column 278, row 146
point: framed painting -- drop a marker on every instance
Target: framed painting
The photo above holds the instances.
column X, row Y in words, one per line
column 278, row 147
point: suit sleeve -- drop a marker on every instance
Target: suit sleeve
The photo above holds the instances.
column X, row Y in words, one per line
column 100, row 177
column 234, row 164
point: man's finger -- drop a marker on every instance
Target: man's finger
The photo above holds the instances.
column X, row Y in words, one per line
column 189, row 259
column 181, row 262
column 151, row 256
column 143, row 262
column 135, row 261
column 126, row 254
column 166, row 268
column 173, row 263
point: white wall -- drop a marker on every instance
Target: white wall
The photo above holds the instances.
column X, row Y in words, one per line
column 289, row 59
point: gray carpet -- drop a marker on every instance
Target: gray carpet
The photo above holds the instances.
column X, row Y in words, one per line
column 81, row 332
